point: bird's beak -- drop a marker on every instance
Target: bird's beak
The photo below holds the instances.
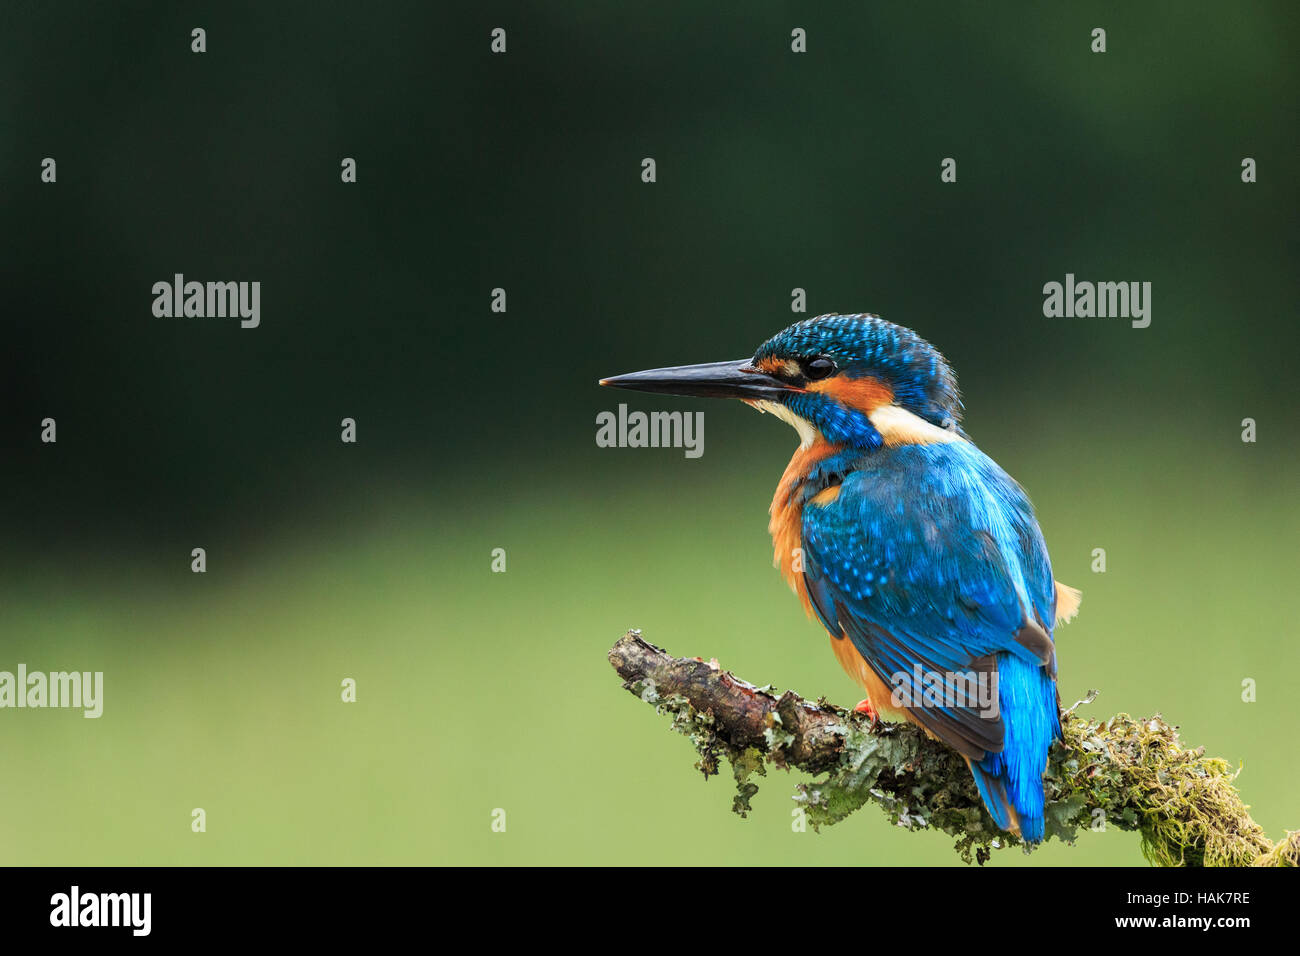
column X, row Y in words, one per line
column 738, row 379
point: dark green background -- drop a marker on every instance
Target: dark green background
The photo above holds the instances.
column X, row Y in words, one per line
column 476, row 430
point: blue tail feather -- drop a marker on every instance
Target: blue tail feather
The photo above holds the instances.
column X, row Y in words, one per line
column 993, row 794
column 1027, row 698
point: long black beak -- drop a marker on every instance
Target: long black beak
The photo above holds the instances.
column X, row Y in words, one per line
column 736, row 379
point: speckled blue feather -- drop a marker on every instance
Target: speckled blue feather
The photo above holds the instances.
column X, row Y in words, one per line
column 931, row 557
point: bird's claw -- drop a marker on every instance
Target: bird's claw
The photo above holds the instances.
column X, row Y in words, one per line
column 864, row 707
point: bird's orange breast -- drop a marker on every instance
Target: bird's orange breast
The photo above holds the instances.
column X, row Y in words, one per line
column 786, row 522
column 786, row 527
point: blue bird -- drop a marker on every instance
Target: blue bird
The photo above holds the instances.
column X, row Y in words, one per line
column 920, row 556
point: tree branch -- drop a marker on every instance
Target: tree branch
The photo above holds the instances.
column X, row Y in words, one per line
column 1129, row 773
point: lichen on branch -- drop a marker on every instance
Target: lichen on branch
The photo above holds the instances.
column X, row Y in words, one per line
column 1125, row 772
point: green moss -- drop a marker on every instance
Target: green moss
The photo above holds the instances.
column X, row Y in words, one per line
column 1124, row 772
column 1286, row 853
column 1137, row 774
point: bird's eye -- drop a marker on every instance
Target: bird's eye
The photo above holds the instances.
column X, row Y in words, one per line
column 821, row 367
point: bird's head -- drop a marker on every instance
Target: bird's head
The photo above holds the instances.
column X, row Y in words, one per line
column 852, row 380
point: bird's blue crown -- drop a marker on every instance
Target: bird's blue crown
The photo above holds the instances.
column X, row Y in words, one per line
column 867, row 345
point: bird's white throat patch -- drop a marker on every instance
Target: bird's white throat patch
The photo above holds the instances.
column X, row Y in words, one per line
column 897, row 426
column 808, row 432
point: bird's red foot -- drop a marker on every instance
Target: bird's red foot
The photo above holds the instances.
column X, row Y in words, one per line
column 864, row 707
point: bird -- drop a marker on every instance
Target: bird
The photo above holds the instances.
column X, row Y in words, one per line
column 919, row 555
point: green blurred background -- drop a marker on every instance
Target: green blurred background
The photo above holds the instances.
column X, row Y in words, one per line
column 476, row 431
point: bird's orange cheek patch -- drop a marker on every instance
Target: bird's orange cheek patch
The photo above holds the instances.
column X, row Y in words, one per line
column 865, row 394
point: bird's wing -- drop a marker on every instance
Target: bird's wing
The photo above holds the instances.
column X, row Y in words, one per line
column 930, row 558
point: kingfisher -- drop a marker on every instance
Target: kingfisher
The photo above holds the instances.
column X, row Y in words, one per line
column 919, row 555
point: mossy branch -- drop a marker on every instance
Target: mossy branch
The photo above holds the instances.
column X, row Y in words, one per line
column 1124, row 772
